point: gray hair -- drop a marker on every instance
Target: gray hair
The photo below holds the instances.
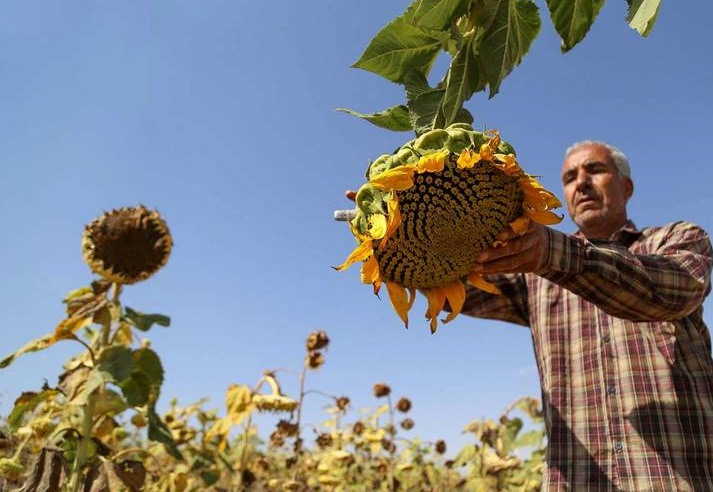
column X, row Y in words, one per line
column 620, row 160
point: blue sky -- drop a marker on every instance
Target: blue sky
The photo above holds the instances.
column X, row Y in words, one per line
column 221, row 115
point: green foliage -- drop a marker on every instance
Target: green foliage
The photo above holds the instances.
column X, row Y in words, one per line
column 144, row 322
column 486, row 40
column 642, row 15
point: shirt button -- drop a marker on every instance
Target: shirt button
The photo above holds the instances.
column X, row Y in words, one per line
column 611, row 390
column 618, row 446
column 606, row 338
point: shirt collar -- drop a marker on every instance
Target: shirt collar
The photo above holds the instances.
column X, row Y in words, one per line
column 626, row 235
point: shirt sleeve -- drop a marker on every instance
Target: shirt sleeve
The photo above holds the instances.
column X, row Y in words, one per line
column 668, row 281
column 510, row 306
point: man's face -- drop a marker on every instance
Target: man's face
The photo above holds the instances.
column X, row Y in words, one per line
column 595, row 193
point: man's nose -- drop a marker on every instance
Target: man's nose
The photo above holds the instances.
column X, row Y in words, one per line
column 583, row 180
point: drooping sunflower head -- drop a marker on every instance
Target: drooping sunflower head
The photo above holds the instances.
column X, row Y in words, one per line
column 127, row 245
column 427, row 209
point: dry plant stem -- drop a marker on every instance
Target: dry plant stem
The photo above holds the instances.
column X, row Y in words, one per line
column 244, row 451
column 391, row 436
column 75, row 483
column 298, row 439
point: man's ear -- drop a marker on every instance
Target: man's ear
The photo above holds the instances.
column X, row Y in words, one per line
column 628, row 188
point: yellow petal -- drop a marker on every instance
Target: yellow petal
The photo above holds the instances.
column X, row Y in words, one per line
column 455, row 295
column 536, row 196
column 486, row 153
column 494, row 141
column 361, row 252
column 476, row 280
column 377, row 226
column 510, row 165
column 398, row 178
column 436, row 300
column 546, row 218
column 370, row 271
column 432, row 162
column 468, row 159
column 520, row 225
column 400, row 301
column 394, row 219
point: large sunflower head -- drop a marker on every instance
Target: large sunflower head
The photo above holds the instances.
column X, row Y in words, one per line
column 127, row 245
column 428, row 208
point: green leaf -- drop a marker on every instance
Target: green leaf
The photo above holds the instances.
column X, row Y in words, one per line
column 144, row 383
column 436, row 14
column 509, row 430
column 157, row 431
column 642, row 15
column 395, row 118
column 531, row 438
column 143, row 321
column 512, row 26
column 397, row 49
column 573, row 18
column 464, row 79
column 27, row 402
column 423, row 101
column 117, row 361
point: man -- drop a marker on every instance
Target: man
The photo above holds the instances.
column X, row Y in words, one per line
column 615, row 312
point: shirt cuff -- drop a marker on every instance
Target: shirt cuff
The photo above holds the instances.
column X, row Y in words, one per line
column 565, row 253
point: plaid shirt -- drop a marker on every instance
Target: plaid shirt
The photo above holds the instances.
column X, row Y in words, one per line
column 624, row 357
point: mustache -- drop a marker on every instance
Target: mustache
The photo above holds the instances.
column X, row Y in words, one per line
column 588, row 195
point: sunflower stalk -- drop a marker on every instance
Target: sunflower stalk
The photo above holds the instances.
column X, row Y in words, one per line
column 80, row 459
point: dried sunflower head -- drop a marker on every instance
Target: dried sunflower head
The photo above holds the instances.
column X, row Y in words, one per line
column 381, row 390
column 403, row 405
column 274, row 403
column 317, row 340
column 127, row 245
column 427, row 209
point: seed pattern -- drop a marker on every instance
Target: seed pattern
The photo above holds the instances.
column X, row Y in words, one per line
column 446, row 218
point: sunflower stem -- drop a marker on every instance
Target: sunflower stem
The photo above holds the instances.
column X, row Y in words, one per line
column 244, row 451
column 75, row 483
column 80, row 459
column 298, row 440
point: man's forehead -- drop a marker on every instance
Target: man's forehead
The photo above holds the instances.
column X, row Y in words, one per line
column 587, row 154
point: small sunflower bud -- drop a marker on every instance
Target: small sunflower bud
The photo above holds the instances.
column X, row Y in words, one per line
column 317, row 340
column 324, row 440
column 381, row 390
column 314, row 360
column 342, row 403
column 388, row 445
column 287, row 428
column 403, row 405
column 127, row 245
column 276, row 439
column 138, row 420
column 440, row 446
column 407, row 424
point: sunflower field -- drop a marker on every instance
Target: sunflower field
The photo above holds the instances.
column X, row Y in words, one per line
column 419, row 218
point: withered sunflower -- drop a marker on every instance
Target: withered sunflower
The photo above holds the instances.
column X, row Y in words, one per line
column 127, row 245
column 427, row 209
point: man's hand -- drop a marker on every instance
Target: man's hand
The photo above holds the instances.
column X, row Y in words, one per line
column 514, row 253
